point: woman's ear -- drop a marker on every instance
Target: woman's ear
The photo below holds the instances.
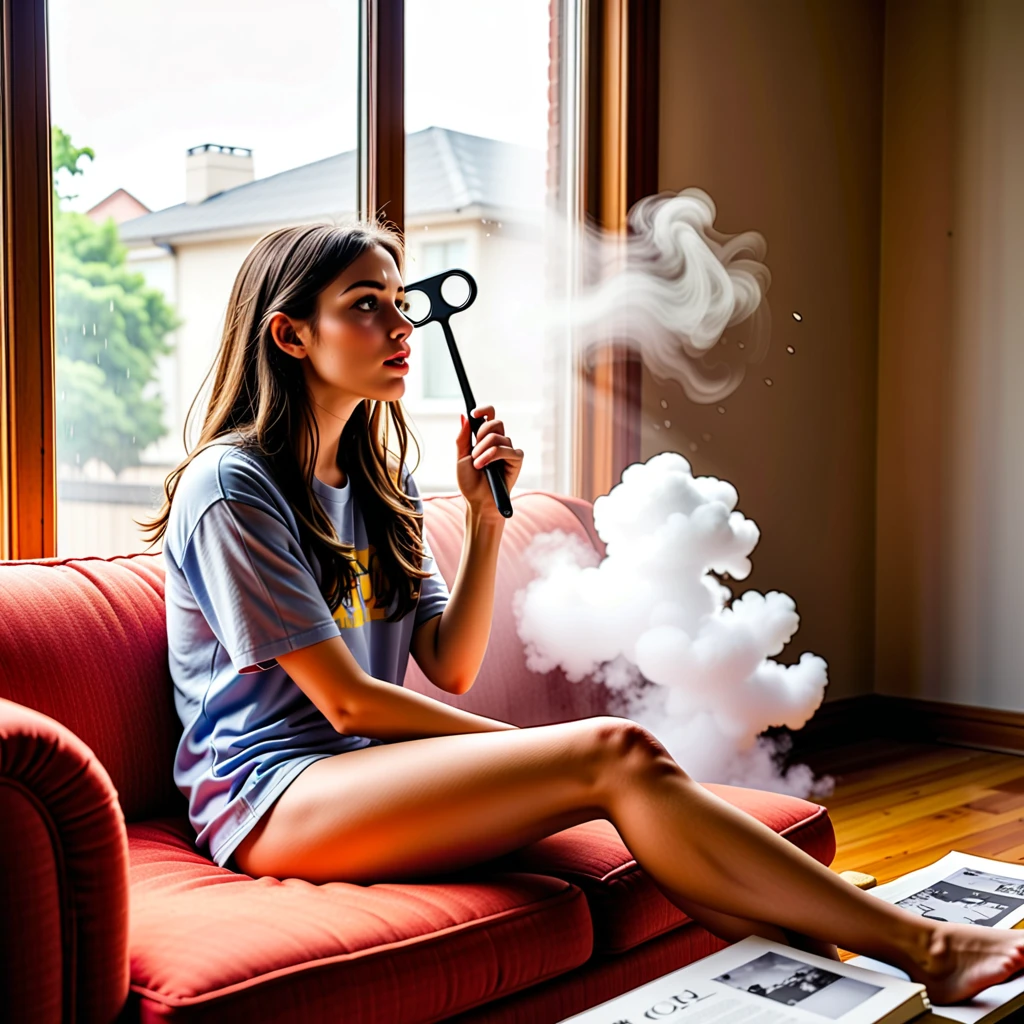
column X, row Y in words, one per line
column 282, row 330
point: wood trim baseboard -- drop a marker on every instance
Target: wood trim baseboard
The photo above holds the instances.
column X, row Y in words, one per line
column 878, row 716
column 28, row 460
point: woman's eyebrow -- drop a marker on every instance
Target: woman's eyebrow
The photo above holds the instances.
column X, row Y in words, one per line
column 369, row 284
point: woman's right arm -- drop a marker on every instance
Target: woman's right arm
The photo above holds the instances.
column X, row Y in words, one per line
column 357, row 704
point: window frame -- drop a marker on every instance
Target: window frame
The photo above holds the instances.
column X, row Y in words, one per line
column 616, row 59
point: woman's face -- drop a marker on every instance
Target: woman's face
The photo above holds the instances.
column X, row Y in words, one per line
column 360, row 325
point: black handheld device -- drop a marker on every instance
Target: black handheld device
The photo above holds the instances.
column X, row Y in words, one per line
column 435, row 299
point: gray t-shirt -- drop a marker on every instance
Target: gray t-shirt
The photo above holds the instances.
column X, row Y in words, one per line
column 240, row 590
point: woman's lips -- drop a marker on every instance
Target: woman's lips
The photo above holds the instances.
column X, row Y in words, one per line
column 402, row 367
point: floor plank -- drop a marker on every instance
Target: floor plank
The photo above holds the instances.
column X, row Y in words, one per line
column 897, row 807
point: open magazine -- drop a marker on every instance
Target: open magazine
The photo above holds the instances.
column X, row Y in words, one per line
column 963, row 888
column 761, row 982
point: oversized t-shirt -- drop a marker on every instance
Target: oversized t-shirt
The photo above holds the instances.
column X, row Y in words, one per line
column 240, row 590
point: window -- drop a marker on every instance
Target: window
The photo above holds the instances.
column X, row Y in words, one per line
column 161, row 193
column 480, row 175
column 594, row 82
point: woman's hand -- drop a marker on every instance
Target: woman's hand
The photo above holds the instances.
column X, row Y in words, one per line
column 491, row 445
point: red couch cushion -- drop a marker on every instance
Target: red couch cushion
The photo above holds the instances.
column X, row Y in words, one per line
column 210, row 944
column 626, row 906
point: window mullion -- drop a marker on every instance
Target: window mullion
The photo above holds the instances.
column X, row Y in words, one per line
column 381, row 158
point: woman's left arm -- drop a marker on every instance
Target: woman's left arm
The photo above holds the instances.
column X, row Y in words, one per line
column 465, row 625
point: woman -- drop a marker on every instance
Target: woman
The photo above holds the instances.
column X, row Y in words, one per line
column 298, row 583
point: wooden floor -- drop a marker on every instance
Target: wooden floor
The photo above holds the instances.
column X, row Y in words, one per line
column 897, row 807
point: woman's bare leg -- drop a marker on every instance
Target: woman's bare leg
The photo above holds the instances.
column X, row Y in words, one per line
column 428, row 806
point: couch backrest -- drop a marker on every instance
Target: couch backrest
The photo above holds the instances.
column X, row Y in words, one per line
column 84, row 641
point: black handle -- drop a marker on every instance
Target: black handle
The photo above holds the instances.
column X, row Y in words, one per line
column 495, row 472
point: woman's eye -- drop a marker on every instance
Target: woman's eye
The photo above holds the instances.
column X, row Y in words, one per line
column 404, row 306
column 369, row 298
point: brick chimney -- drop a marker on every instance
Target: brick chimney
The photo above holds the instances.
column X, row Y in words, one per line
column 210, row 169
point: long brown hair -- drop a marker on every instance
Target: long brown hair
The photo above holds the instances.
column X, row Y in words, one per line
column 259, row 393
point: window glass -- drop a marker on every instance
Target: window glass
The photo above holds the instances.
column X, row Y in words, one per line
column 170, row 161
column 439, row 377
column 479, row 82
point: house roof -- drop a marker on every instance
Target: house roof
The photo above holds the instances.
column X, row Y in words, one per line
column 446, row 171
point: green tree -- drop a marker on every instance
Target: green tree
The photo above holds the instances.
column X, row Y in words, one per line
column 111, row 327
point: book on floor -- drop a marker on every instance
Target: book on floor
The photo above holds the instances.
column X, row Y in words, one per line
column 756, row 981
column 963, row 888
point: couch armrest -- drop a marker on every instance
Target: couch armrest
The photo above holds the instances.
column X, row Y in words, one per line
column 63, row 875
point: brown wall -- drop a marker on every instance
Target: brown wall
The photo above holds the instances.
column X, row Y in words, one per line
column 775, row 110
column 950, row 600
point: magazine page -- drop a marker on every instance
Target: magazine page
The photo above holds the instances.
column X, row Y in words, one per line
column 963, row 888
column 760, row 982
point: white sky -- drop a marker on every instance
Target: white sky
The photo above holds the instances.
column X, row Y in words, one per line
column 141, row 81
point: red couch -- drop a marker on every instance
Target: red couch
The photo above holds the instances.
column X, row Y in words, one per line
column 107, row 911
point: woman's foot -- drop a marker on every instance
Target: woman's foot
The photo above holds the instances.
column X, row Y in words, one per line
column 957, row 961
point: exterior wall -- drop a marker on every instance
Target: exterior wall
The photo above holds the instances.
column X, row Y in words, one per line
column 775, row 110
column 950, row 554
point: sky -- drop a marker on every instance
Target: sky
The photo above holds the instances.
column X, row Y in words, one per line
column 140, row 83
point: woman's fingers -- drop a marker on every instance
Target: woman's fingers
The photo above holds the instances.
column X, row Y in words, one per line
column 489, row 441
column 504, row 452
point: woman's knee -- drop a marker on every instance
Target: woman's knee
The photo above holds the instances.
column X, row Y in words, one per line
column 626, row 747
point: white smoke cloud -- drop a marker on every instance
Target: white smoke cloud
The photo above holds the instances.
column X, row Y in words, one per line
column 651, row 622
column 670, row 288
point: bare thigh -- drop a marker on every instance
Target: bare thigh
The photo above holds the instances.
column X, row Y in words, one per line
column 431, row 805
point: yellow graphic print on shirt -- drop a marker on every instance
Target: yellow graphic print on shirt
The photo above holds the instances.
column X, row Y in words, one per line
column 361, row 606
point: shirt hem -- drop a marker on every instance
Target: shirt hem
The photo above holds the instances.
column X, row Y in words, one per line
column 225, row 849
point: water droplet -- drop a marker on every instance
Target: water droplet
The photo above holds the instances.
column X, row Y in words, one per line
column 94, row 330
column 83, row 330
column 668, row 423
column 128, row 372
column 797, row 316
column 721, row 408
column 97, row 359
column 664, row 404
column 706, row 436
column 740, row 345
column 657, row 427
column 111, row 305
column 133, row 439
column 768, row 381
column 693, row 446
column 104, row 342
column 790, row 349
column 487, row 234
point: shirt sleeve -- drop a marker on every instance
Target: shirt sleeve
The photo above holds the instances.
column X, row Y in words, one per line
column 254, row 585
column 433, row 590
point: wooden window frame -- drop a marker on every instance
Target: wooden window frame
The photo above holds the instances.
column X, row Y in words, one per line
column 28, row 486
column 619, row 165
